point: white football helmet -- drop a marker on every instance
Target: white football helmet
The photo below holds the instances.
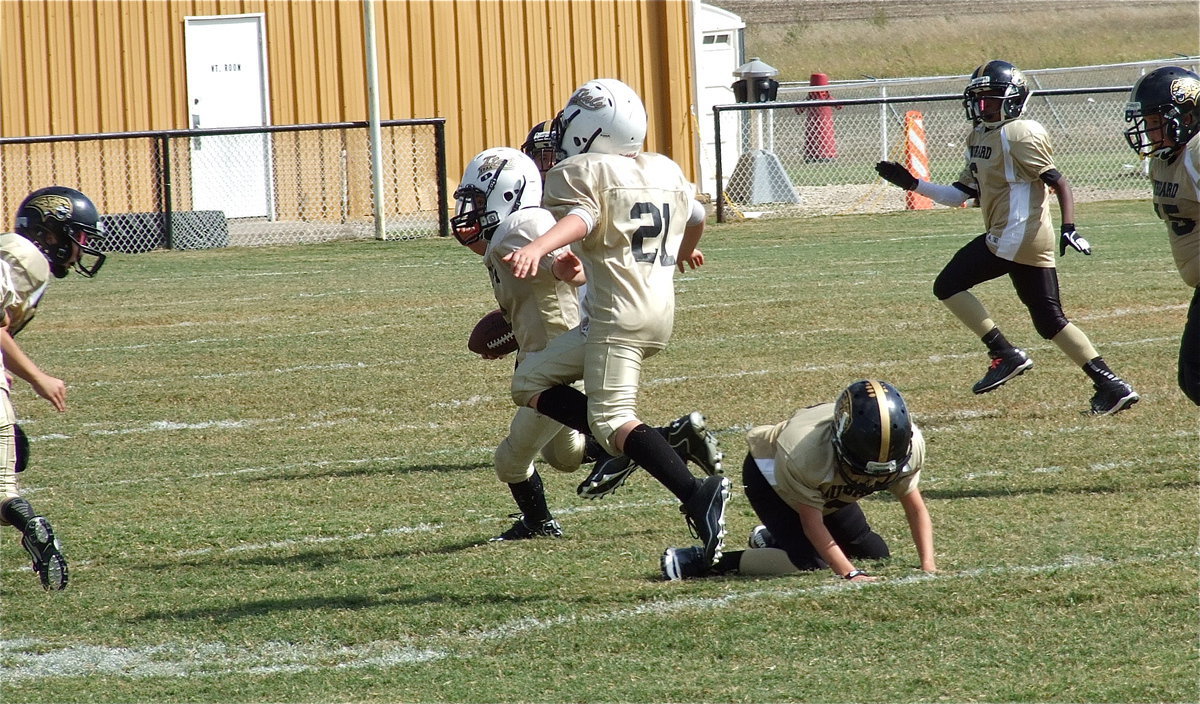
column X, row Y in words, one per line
column 604, row 116
column 497, row 183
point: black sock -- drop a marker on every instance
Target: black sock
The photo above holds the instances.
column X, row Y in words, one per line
column 729, row 562
column 17, row 512
column 647, row 447
column 1099, row 372
column 592, row 452
column 531, row 499
column 567, row 405
column 996, row 343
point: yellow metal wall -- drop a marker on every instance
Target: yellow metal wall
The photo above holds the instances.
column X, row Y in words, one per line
column 493, row 68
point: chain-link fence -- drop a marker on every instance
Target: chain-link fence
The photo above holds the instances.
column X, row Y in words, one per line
column 816, row 157
column 192, row 189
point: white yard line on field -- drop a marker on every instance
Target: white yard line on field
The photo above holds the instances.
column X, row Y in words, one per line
column 28, row 658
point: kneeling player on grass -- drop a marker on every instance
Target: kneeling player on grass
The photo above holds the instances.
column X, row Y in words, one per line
column 804, row 477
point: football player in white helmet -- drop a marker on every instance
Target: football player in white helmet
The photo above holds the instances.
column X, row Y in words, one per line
column 497, row 211
column 632, row 218
column 1164, row 112
column 804, row 478
column 57, row 229
column 1009, row 168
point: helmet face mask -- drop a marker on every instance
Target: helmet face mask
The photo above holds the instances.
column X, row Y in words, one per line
column 65, row 225
column 497, row 183
column 997, row 91
column 872, row 434
column 541, row 145
column 604, row 116
column 1164, row 112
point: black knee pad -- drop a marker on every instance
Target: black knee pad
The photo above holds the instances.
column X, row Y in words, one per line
column 1048, row 321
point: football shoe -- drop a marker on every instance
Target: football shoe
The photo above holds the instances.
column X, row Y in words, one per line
column 683, row 563
column 691, row 440
column 705, row 512
column 523, row 529
column 1113, row 396
column 1003, row 368
column 48, row 561
column 606, row 476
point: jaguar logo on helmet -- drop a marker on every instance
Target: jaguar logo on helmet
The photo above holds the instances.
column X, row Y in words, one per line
column 1185, row 90
column 52, row 206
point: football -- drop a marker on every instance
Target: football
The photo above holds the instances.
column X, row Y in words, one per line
column 492, row 336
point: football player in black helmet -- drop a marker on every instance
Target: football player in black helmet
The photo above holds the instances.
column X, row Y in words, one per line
column 1164, row 116
column 65, row 225
column 541, row 146
column 56, row 229
column 804, row 478
column 1009, row 169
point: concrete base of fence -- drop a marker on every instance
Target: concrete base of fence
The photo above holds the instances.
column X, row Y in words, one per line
column 759, row 177
column 133, row 233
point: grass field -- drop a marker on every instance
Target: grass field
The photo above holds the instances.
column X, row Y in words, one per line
column 274, row 485
column 901, row 38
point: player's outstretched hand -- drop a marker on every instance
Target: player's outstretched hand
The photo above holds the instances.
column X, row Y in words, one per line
column 567, row 267
column 523, row 262
column 694, row 261
column 1070, row 238
column 895, row 173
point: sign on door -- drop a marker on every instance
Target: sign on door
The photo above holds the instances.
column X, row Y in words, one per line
column 227, row 87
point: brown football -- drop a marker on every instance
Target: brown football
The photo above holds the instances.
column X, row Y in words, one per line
column 492, row 336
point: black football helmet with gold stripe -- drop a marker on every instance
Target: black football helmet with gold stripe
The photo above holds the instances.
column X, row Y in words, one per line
column 872, row 431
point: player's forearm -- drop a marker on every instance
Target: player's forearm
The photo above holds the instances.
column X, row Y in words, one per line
column 813, row 524
column 571, row 228
column 921, row 527
column 16, row 361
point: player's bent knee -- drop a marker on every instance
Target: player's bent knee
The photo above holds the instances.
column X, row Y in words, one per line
column 510, row 468
column 1048, row 323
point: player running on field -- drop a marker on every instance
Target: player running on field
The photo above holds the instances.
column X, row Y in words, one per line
column 56, row 228
column 1164, row 107
column 1010, row 168
column 632, row 218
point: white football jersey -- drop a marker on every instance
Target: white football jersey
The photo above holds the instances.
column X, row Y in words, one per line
column 1177, row 202
column 640, row 207
column 30, row 276
column 798, row 460
column 541, row 307
column 1005, row 163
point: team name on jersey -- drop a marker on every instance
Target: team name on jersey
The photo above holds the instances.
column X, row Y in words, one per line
column 981, row 151
column 1166, row 189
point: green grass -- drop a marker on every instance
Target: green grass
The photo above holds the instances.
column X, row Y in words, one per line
column 892, row 44
column 274, row 484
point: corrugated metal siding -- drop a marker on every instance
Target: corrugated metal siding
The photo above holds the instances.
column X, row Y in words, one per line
column 493, row 68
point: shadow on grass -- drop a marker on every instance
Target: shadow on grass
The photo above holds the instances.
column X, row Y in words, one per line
column 344, row 602
column 368, row 471
column 1114, row 488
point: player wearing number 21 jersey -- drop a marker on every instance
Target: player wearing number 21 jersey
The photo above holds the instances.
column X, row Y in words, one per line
column 632, row 219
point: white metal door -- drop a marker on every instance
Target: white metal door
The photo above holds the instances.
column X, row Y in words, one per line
column 227, row 87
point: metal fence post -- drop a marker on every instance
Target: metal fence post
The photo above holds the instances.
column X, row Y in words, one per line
column 720, row 179
column 443, row 197
column 167, row 192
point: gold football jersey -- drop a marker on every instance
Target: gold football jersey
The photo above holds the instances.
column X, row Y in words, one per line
column 1176, row 196
column 30, row 275
column 639, row 207
column 539, row 308
column 1004, row 164
column 798, row 460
